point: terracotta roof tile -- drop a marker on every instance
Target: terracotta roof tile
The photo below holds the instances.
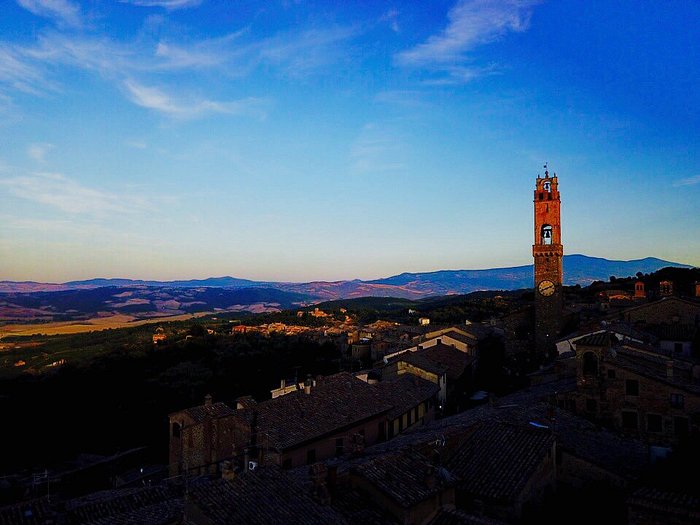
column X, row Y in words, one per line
column 447, row 516
column 261, row 497
column 215, row 410
column 497, row 459
column 337, row 401
column 667, row 502
column 406, row 392
column 406, row 476
column 453, row 360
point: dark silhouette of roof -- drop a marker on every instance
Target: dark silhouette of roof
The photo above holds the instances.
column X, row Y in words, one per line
column 260, row 497
column 406, row 392
column 336, row 402
column 406, row 476
column 450, row 516
column 677, row 507
column 497, row 460
column 601, row 339
column 455, row 361
column 202, row 412
column 153, row 505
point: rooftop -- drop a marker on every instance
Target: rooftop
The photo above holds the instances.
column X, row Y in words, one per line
column 336, row 402
column 406, row 392
column 406, row 476
column 498, row 459
column 202, row 412
column 260, row 497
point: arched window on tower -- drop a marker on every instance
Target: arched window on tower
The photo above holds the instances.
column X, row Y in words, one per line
column 547, row 186
column 176, row 430
column 546, row 234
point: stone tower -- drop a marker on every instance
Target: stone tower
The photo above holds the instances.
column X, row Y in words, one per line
column 548, row 252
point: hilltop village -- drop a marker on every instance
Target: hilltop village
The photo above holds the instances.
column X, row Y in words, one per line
column 559, row 405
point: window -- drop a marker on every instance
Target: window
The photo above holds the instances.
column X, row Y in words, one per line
column 339, row 447
column 677, row 400
column 632, row 387
column 680, row 426
column 590, row 364
column 611, row 373
column 591, row 405
column 546, row 234
column 629, row 420
column 677, row 348
column 311, row 456
column 654, row 423
column 176, row 430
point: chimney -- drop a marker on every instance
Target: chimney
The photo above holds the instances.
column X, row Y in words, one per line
column 207, row 400
column 669, row 369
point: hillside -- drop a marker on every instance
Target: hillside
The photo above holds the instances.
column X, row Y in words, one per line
column 578, row 269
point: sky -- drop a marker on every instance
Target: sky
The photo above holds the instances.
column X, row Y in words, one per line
column 322, row 140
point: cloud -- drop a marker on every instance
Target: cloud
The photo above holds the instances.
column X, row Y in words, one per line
column 462, row 75
column 129, row 64
column 157, row 100
column 68, row 195
column 39, row 150
column 690, row 181
column 376, row 150
column 391, row 17
column 471, row 23
column 17, row 72
column 299, row 54
column 170, row 5
column 64, row 12
column 209, row 53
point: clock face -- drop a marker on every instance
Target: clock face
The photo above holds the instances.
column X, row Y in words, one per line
column 546, row 288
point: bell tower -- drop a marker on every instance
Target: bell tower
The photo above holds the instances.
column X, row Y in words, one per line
column 548, row 252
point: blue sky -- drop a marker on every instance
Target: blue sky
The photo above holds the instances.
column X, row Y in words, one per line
column 296, row 140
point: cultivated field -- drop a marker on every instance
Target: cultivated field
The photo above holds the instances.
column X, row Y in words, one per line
column 90, row 325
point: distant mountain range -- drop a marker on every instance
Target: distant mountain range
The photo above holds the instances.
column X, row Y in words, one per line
column 578, row 269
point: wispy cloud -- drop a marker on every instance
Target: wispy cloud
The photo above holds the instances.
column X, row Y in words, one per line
column 471, row 23
column 298, row 54
column 19, row 73
column 391, row 17
column 170, row 5
column 127, row 64
column 376, row 150
column 157, row 100
column 39, row 150
column 208, row 53
column 68, row 195
column 690, row 181
column 64, row 12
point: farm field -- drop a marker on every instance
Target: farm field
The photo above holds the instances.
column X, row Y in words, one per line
column 90, row 325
